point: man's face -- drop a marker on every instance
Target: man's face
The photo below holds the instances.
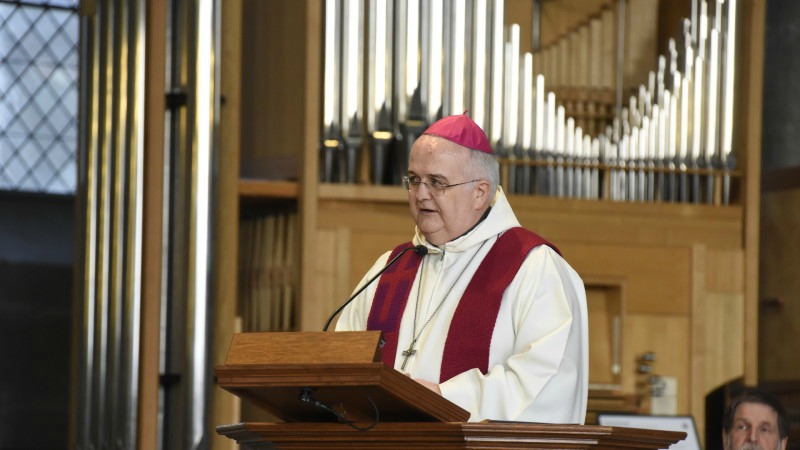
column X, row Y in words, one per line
column 443, row 216
column 755, row 426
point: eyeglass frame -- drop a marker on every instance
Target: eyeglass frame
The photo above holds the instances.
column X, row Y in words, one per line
column 438, row 188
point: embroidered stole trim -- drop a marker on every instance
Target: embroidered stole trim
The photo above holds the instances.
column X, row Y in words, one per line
column 470, row 334
column 391, row 298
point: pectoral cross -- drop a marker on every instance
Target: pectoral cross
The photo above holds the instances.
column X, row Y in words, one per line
column 407, row 354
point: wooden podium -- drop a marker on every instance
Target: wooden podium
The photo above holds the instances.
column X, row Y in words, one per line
column 332, row 392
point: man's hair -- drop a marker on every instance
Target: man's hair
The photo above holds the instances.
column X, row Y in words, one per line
column 760, row 397
column 484, row 165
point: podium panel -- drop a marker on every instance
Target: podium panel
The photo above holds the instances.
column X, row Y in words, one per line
column 358, row 391
column 296, row 376
column 445, row 436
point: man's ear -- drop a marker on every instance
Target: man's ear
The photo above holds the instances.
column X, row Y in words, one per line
column 784, row 441
column 482, row 194
column 724, row 440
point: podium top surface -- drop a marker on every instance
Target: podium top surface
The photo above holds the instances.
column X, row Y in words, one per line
column 304, row 348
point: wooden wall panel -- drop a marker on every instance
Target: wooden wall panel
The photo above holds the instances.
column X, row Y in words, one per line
column 604, row 304
column 521, row 13
column 630, row 224
column 152, row 233
column 561, row 16
column 368, row 248
column 367, row 216
column 747, row 146
column 657, row 277
column 717, row 346
column 608, row 20
column 273, row 126
column 321, row 283
column 780, row 267
column 351, row 236
column 727, row 274
column 669, row 337
column 226, row 407
column 641, row 43
column 722, row 338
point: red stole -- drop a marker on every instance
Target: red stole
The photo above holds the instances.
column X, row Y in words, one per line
column 470, row 335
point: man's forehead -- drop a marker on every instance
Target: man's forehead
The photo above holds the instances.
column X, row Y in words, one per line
column 756, row 412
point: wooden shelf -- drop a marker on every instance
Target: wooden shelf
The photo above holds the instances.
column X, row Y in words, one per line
column 267, row 189
column 626, row 208
column 362, row 192
column 250, row 188
column 289, row 190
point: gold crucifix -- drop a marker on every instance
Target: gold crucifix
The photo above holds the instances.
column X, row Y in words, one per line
column 407, row 354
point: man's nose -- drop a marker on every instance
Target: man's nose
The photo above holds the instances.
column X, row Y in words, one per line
column 422, row 191
column 753, row 435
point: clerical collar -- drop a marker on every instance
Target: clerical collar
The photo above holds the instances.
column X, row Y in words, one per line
column 483, row 217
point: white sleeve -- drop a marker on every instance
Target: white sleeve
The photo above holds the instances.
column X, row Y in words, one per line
column 538, row 368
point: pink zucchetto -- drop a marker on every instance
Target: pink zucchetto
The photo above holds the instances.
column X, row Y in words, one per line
column 462, row 130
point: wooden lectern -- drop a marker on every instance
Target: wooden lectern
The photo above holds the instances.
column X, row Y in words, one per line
column 332, row 391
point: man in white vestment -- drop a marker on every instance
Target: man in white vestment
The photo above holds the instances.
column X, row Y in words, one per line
column 492, row 317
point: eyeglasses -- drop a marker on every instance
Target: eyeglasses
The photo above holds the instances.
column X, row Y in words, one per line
column 434, row 186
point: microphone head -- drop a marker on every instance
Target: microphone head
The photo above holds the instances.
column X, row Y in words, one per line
column 421, row 250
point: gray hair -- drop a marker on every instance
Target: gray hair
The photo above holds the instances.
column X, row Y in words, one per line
column 484, row 165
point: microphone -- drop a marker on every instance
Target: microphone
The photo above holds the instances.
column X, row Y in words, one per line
column 421, row 250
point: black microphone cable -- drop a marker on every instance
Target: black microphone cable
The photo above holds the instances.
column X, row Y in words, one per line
column 421, row 250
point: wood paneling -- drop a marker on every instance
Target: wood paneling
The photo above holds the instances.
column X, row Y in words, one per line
column 641, row 43
column 605, row 310
column 273, row 125
column 630, row 224
column 657, row 277
column 781, row 179
column 320, row 285
column 521, row 13
column 718, row 337
column 669, row 337
column 152, row 233
column 226, row 408
column 747, row 147
column 780, row 267
column 308, row 310
column 727, row 275
column 365, row 250
column 561, row 16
